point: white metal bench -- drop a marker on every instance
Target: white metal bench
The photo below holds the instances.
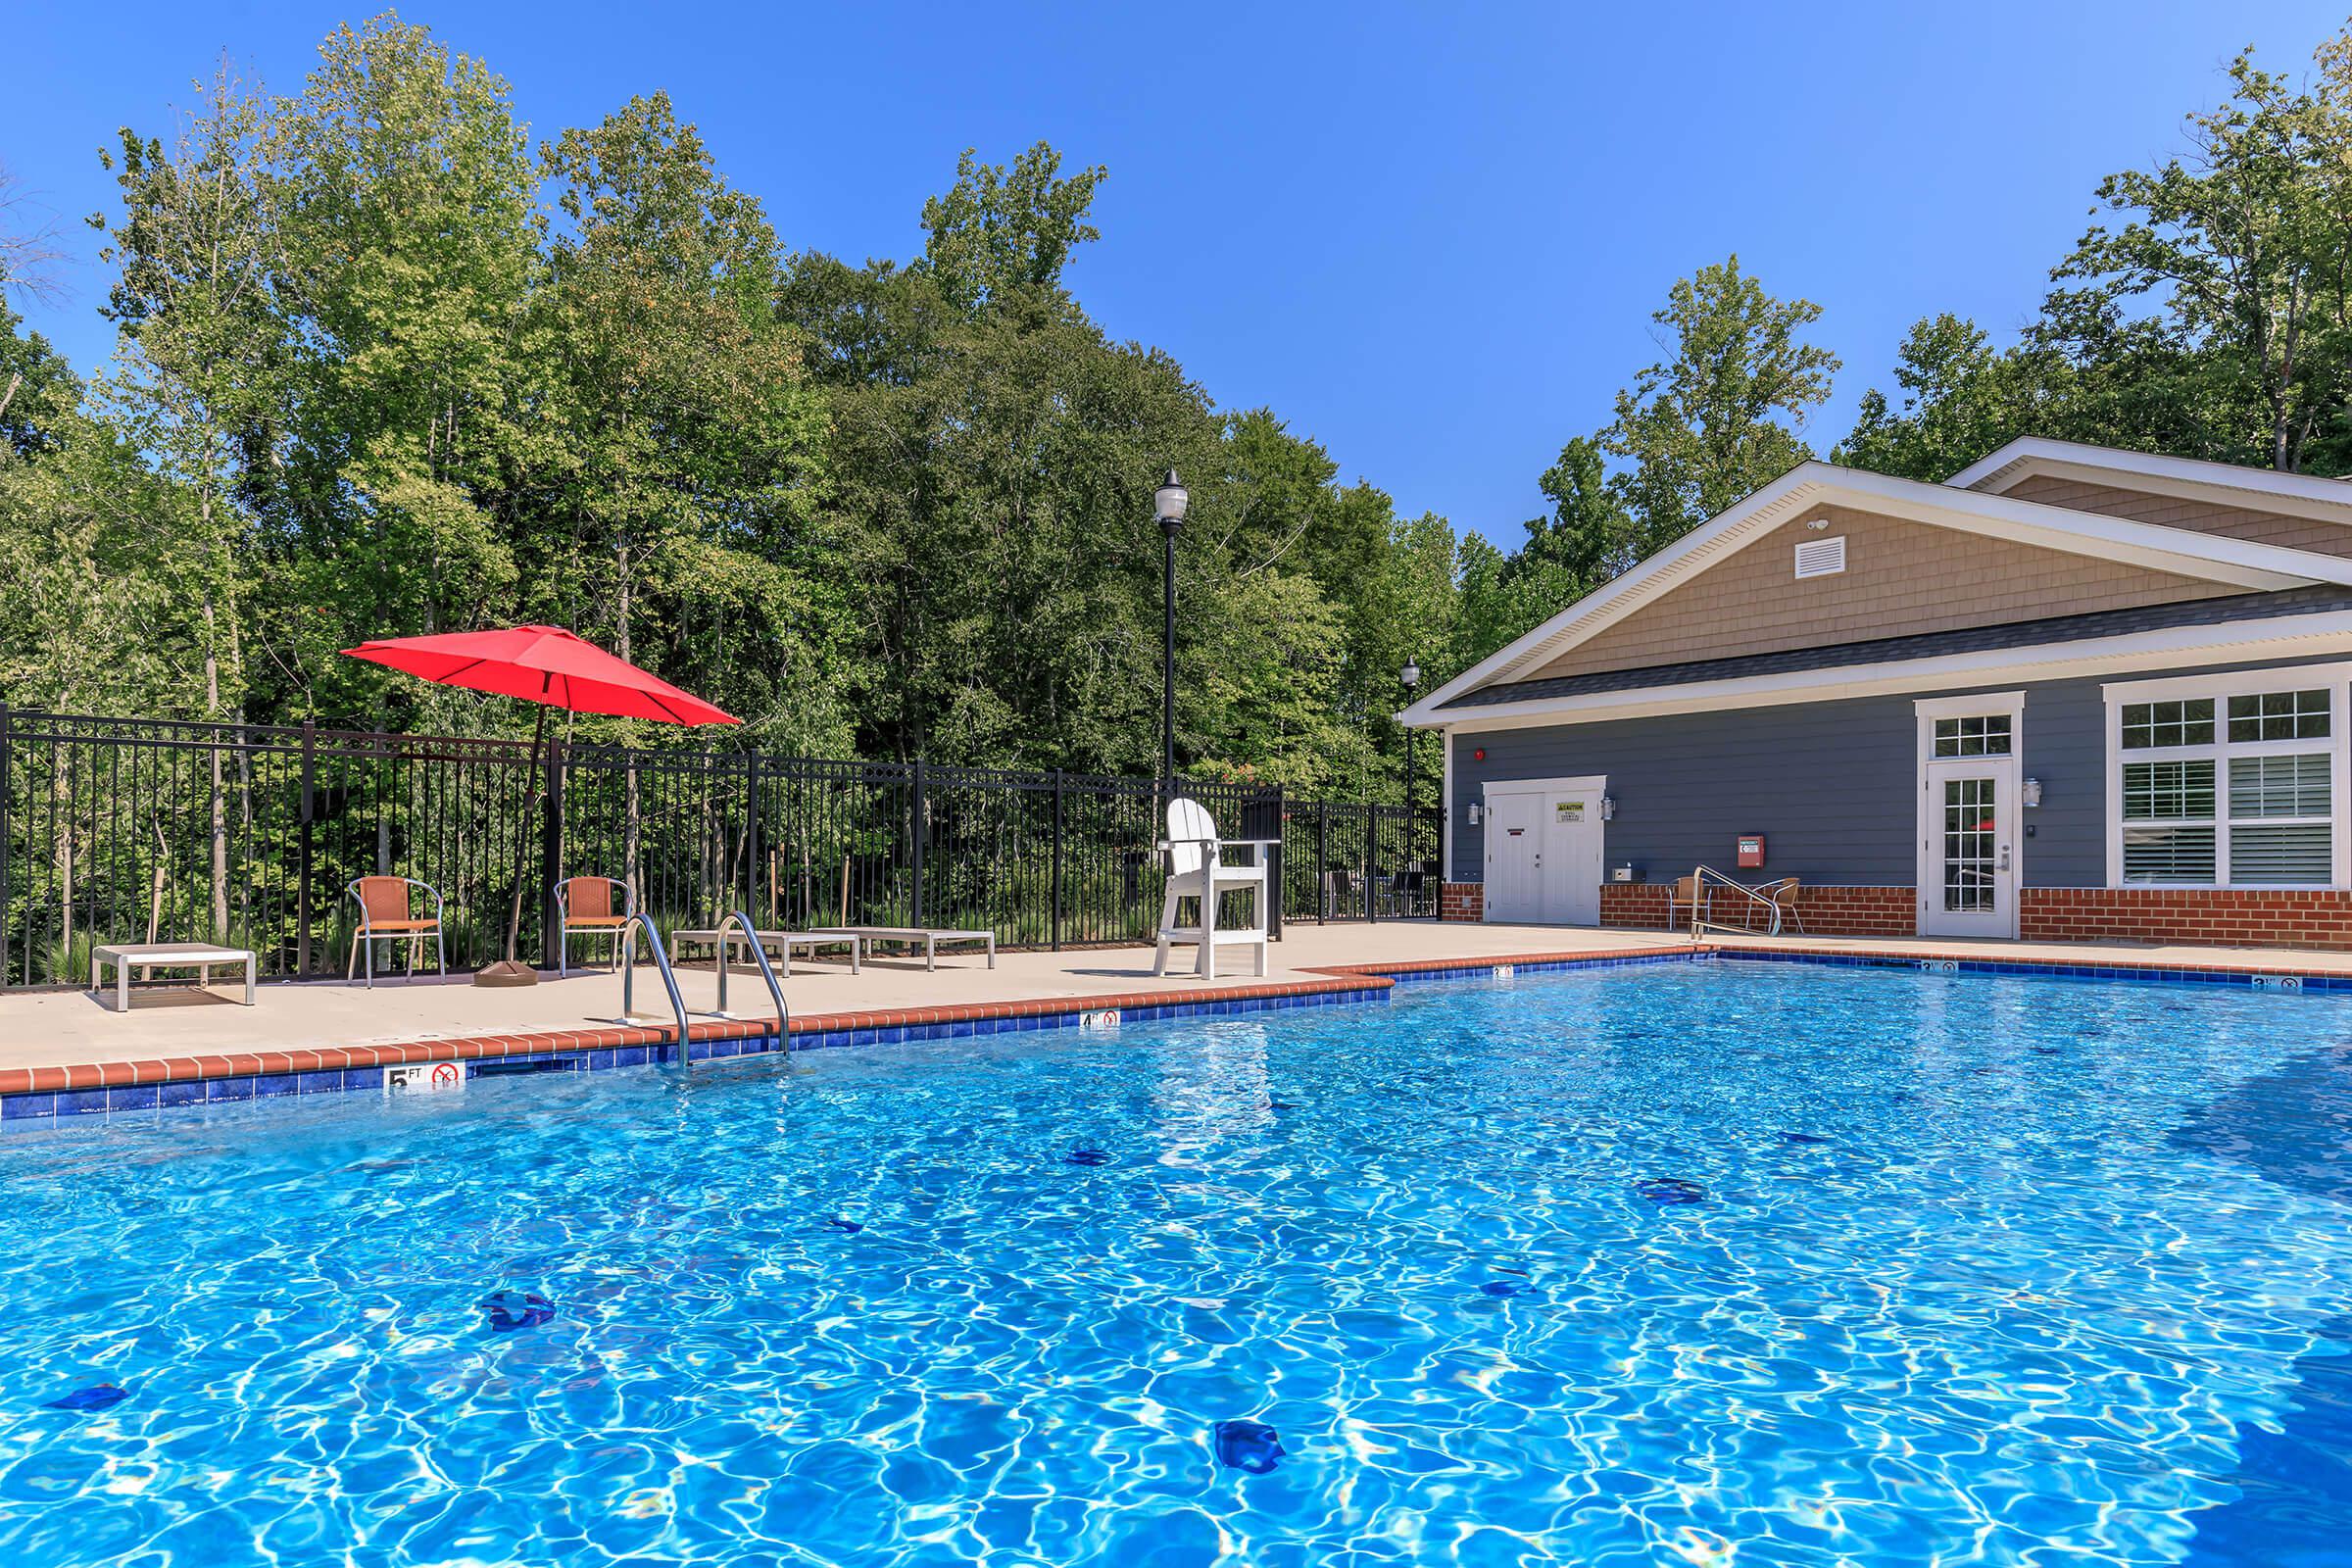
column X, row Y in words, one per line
column 149, row 956
column 783, row 942
column 907, row 936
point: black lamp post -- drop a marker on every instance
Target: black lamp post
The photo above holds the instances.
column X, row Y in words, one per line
column 1169, row 503
column 1411, row 676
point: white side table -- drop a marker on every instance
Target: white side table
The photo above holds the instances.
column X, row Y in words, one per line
column 148, row 957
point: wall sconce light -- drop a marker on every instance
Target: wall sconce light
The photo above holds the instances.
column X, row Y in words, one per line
column 1474, row 813
column 2031, row 794
column 1608, row 807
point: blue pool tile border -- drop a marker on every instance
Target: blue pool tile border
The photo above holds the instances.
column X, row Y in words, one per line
column 2311, row 980
column 1484, row 968
column 48, row 1107
column 40, row 1108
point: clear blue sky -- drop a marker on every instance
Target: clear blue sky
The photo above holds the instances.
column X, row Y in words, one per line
column 1429, row 237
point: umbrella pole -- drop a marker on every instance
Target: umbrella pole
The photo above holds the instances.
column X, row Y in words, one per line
column 509, row 971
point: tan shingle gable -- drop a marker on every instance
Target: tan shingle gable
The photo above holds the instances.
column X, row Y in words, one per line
column 1901, row 578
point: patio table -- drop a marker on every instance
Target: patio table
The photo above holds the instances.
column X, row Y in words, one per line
column 149, row 956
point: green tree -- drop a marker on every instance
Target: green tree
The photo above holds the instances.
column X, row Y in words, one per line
column 1586, row 539
column 2210, row 317
column 678, row 518
column 37, row 386
column 1000, row 235
column 202, row 351
column 1723, row 413
column 409, row 232
column 2241, row 245
column 1961, row 399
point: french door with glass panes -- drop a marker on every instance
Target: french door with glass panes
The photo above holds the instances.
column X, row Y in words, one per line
column 1968, row 803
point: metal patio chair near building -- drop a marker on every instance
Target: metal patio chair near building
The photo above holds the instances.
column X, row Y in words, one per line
column 1782, row 895
column 1683, row 899
column 388, row 913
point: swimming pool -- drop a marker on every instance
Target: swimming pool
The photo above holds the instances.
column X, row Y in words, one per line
column 1701, row 1263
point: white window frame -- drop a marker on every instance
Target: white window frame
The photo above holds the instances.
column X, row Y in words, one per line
column 2336, row 678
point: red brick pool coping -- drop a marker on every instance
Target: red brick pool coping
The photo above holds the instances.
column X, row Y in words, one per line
column 1332, row 979
column 477, row 1047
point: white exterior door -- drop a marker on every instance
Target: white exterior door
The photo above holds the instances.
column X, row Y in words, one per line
column 1969, row 846
column 1572, row 858
column 1515, row 858
column 1543, row 852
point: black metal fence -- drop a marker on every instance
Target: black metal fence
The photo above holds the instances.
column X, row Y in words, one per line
column 125, row 830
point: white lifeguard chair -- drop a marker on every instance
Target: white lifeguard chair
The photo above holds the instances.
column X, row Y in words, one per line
column 1197, row 870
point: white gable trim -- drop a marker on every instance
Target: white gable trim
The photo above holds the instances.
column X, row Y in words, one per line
column 2298, row 495
column 2210, row 558
column 2231, row 643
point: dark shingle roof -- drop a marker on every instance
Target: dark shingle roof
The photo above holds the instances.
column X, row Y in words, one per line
column 1926, row 645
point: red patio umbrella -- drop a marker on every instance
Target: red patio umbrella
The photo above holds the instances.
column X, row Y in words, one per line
column 550, row 666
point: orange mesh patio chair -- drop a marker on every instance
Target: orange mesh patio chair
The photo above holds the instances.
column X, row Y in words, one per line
column 584, row 908
column 1685, row 894
column 387, row 914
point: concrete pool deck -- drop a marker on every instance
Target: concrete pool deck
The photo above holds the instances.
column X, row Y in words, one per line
column 61, row 1041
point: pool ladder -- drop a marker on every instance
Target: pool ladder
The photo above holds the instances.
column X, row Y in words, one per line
column 640, row 920
column 1706, row 878
column 750, row 940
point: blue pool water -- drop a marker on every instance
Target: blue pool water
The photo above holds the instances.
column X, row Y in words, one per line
column 1690, row 1266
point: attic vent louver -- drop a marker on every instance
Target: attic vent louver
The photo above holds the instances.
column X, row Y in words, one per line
column 1821, row 557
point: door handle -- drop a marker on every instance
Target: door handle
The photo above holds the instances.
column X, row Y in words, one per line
column 2004, row 856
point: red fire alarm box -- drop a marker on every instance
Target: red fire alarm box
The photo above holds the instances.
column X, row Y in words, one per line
column 1752, row 850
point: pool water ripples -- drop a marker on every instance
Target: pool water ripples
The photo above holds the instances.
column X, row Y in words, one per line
column 1944, row 1271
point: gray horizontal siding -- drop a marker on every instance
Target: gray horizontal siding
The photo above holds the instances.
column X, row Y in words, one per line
column 2066, row 748
column 1831, row 785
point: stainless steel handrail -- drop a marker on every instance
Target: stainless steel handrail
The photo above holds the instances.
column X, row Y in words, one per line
column 767, row 972
column 629, row 978
column 1702, row 877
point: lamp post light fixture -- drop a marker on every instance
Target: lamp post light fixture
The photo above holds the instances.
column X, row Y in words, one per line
column 1169, row 503
column 1411, row 676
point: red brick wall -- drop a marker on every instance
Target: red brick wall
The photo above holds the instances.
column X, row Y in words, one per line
column 2244, row 917
column 1828, row 911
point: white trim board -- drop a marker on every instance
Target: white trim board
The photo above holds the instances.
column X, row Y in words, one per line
column 1968, row 705
column 1542, row 785
column 2211, row 558
column 2239, row 642
column 2299, row 495
column 1446, row 823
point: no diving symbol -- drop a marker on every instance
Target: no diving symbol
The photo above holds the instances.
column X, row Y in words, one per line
column 445, row 1075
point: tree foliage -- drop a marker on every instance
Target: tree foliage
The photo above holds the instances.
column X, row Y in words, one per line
column 384, row 369
column 385, row 365
column 2206, row 312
